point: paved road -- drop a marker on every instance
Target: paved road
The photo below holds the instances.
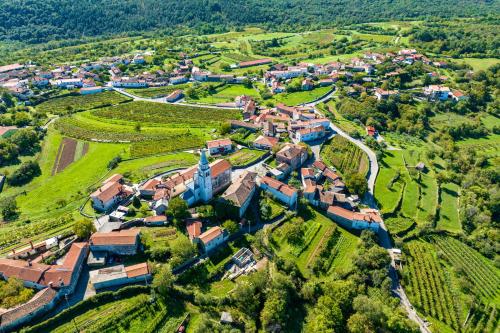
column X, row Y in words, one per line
column 163, row 100
column 385, row 240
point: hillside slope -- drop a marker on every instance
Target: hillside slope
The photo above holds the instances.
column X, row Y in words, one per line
column 38, row 21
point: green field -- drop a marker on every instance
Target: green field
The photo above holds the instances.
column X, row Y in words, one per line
column 170, row 114
column 155, row 92
column 448, row 213
column 317, row 226
column 436, row 269
column 478, row 64
column 388, row 187
column 429, row 197
column 398, row 225
column 345, row 156
column 75, row 102
column 300, row 97
column 245, row 156
column 226, row 94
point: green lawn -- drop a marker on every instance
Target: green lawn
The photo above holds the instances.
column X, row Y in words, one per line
column 244, row 156
column 478, row 64
column 429, row 197
column 448, row 214
column 227, row 94
column 300, row 97
column 142, row 168
column 409, row 206
column 388, row 197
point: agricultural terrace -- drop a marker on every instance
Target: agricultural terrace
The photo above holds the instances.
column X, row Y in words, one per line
column 171, row 114
column 483, row 276
column 330, row 110
column 399, row 225
column 325, row 246
column 133, row 314
column 428, row 284
column 345, row 156
column 402, row 190
column 448, row 212
column 69, row 151
column 155, row 92
column 85, row 126
column 388, row 187
column 75, row 102
column 50, row 198
column 444, row 277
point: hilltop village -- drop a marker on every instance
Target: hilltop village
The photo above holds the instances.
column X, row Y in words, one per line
column 217, row 199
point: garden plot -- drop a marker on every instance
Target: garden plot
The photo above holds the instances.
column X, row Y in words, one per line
column 69, row 151
column 346, row 157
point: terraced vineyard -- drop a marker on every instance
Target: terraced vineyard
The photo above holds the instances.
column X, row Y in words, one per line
column 428, row 284
column 399, row 225
column 173, row 115
column 483, row 319
column 155, row 92
column 345, row 156
column 483, row 276
column 72, row 103
column 344, row 250
column 173, row 143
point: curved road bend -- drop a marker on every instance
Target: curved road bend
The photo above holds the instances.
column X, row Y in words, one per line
column 164, row 101
column 385, row 240
column 397, row 289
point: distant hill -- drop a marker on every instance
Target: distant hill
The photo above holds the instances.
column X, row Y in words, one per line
column 36, row 21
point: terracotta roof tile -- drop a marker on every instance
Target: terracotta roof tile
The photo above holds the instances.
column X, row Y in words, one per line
column 137, row 270
column 210, row 235
column 122, row 237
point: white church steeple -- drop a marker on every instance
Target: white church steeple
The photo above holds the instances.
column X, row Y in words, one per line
column 204, row 178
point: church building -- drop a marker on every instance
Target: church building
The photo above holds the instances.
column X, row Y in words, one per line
column 208, row 180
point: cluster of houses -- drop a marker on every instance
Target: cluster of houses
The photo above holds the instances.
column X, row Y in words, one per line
column 55, row 281
column 21, row 78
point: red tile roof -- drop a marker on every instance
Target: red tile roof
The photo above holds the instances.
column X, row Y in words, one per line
column 122, row 237
column 150, row 184
column 45, row 274
column 319, row 165
column 108, row 191
column 219, row 143
column 137, row 270
column 279, row 186
column 156, row 218
column 194, row 229
column 307, row 172
column 266, row 141
column 210, row 235
column 368, row 215
column 114, row 178
column 219, row 166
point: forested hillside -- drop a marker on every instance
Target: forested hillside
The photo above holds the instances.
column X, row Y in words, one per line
column 38, row 21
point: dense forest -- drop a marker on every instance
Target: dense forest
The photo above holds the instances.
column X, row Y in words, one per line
column 37, row 21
